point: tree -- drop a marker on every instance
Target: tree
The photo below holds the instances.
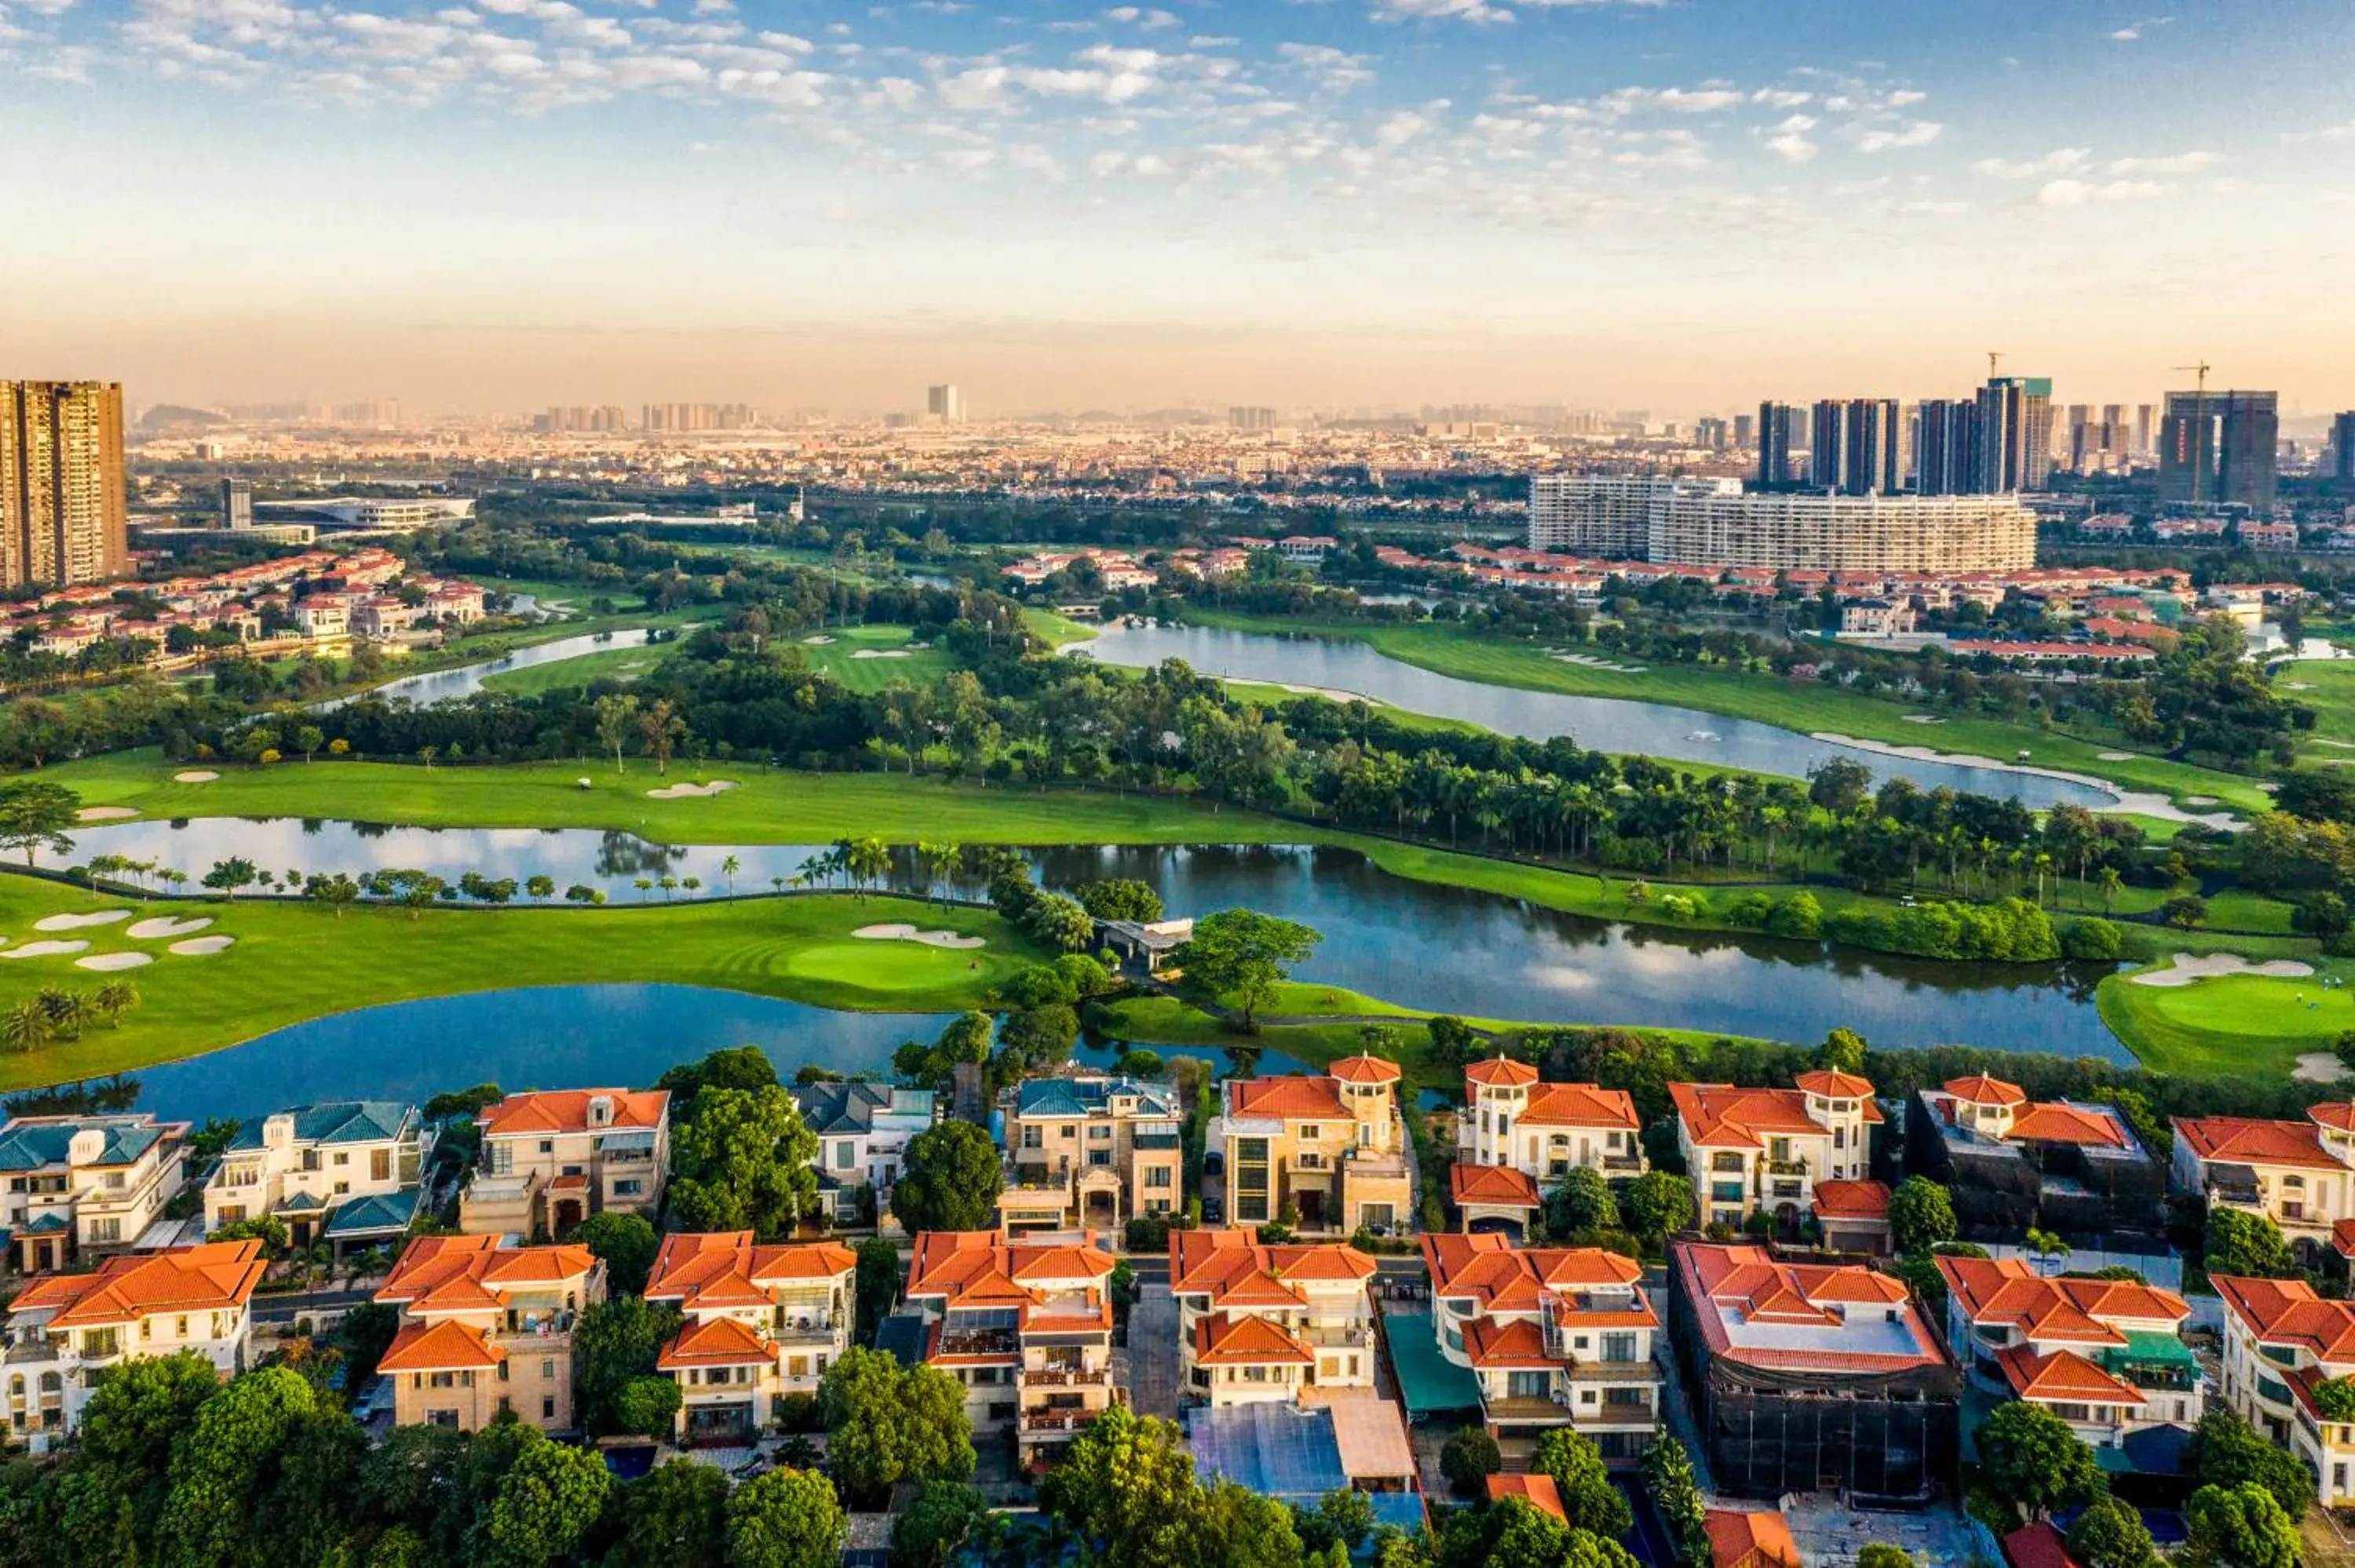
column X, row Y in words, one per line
column 218, row 1470
column 1059, row 922
column 1038, row 1036
column 1469, row 1459
column 617, row 715
column 890, row 1424
column 1125, row 1492
column 1246, row 955
column 2239, row 1527
column 2226, row 1451
column 675, row 1513
column 547, row 1502
column 877, row 1286
column 2031, row 1461
column 26, row 1027
column 2247, row 1245
column 627, row 1242
column 1121, row 898
column 648, row 1407
column 615, row 1343
column 140, row 1406
column 464, row 1102
column 231, row 875
column 949, row 1180
column 114, row 999
column 1589, row 1500
column 1657, row 1204
column 1669, row 1480
column 936, row 1521
column 1453, row 1042
column 1238, row 1528
column 2111, row 1534
column 785, row 1519
column 1345, row 1516
column 732, row 1067
column 34, row 815
column 1841, row 1052
column 1880, row 1555
column 1579, row 1203
column 1921, row 1215
column 742, row 1160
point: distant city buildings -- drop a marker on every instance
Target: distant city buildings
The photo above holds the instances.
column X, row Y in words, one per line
column 1241, row 418
column 64, row 517
column 2220, row 449
column 237, row 503
column 1778, row 427
column 1711, row 521
column 2342, row 448
column 946, row 404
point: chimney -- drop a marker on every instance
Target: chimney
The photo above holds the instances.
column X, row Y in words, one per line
column 278, row 1130
column 86, row 1145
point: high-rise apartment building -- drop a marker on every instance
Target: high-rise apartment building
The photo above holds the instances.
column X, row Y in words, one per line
column 1701, row 521
column 1244, row 417
column 946, row 404
column 1775, row 422
column 1709, row 433
column 1828, row 444
column 2342, row 448
column 237, row 503
column 1745, row 432
column 1870, row 447
column 2013, row 436
column 63, row 513
column 1945, row 431
column 2220, row 449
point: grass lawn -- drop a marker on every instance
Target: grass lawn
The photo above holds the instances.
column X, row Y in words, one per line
column 888, row 657
column 611, row 664
column 293, row 961
column 2327, row 686
column 2230, row 1025
column 1808, row 707
column 1056, row 630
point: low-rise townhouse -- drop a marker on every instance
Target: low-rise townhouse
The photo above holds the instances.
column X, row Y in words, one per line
column 552, row 1157
column 1257, row 1321
column 77, row 1183
column 1326, row 1149
column 1555, row 1337
column 761, row 1322
column 2282, row 1342
column 1810, row 1377
column 862, row 1131
column 1763, row 1150
column 341, row 1170
column 1025, row 1325
column 2299, row 1174
column 486, row 1327
column 66, row 1330
column 1093, row 1150
column 1516, row 1136
column 2104, row 1355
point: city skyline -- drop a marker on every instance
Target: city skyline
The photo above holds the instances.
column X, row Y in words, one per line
column 1686, row 206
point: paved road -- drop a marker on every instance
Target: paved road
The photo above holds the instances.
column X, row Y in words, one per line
column 1153, row 1353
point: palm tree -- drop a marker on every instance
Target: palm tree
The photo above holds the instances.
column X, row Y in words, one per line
column 645, row 885
column 68, row 1010
column 2109, row 882
column 943, row 863
column 114, row 999
column 777, row 883
column 668, row 885
column 26, row 1027
column 426, row 754
column 728, row 868
column 867, row 860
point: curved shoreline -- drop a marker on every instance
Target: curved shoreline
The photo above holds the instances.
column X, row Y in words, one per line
column 2123, row 802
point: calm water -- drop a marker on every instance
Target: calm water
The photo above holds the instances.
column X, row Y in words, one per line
column 1604, row 724
column 468, row 679
column 1446, row 949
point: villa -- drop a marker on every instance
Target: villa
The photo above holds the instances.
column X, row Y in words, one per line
column 1025, row 1325
column 1257, row 1321
column 2299, row 1174
column 1515, row 1135
column 1090, row 1151
column 1763, row 1150
column 85, row 1183
column 2012, row 1164
column 1323, row 1152
column 345, row 1170
column 1555, row 1337
column 486, row 1327
column 552, row 1158
column 761, row 1322
column 2282, row 1341
column 65, row 1331
column 2104, row 1355
column 862, row 1131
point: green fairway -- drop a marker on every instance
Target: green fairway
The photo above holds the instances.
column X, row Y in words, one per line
column 1056, row 630
column 2231, row 1025
column 2327, row 686
column 609, row 665
column 292, row 961
column 1808, row 707
column 869, row 658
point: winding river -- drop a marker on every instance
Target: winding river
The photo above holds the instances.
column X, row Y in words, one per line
column 1606, row 723
column 466, row 680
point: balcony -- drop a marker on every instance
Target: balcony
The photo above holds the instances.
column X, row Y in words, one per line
column 1345, row 1337
column 1786, row 1166
column 1054, row 1423
column 811, row 1330
column 34, row 1350
column 1631, row 1163
column 1065, row 1377
column 1371, row 1162
column 980, row 1342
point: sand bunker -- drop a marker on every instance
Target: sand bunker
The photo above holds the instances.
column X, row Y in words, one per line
column 903, row 933
column 816, row 641
column 76, row 922
column 2191, row 967
column 44, row 949
column 1590, row 662
column 163, row 929
column 198, row 946
column 2117, row 756
column 1923, row 719
column 881, row 653
column 2320, row 1068
column 114, row 961
column 195, row 776
column 104, row 813
column 690, row 791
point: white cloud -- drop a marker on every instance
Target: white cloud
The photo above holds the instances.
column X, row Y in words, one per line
column 1788, row 140
column 2086, row 193
column 2180, row 163
column 1782, row 97
column 2060, row 160
column 1448, row 10
column 1919, row 133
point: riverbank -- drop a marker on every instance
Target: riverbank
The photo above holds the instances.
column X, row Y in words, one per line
column 1806, row 708
column 291, row 962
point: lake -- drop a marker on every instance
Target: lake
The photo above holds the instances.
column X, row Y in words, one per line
column 441, row 685
column 1602, row 723
column 1416, row 943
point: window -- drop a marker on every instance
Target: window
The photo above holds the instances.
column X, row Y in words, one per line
column 1030, row 1137
column 1308, row 1132
column 547, row 1371
column 548, row 1409
column 1251, row 1180
column 342, row 1158
column 1160, row 1176
column 103, row 1230
column 1098, row 1135
column 1618, row 1346
column 846, row 1154
column 548, row 1146
column 1730, row 1160
column 380, row 1165
column 310, row 1160
column 631, row 1188
column 442, row 1418
column 180, row 1328
column 1099, row 1156
column 1528, row 1384
column 343, row 1189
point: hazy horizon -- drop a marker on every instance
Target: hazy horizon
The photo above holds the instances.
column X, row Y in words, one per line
column 491, row 206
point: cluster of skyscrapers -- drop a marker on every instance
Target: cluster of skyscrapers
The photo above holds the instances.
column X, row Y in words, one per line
column 2221, row 449
column 654, row 418
column 1993, row 443
column 64, row 517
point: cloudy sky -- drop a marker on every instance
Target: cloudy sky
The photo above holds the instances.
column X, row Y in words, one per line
column 1675, row 204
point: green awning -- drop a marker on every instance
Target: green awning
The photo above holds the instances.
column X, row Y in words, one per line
column 2149, row 1347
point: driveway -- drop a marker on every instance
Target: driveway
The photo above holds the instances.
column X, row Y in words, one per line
column 1153, row 1351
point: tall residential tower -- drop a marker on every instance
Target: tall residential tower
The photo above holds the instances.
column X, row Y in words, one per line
column 63, row 511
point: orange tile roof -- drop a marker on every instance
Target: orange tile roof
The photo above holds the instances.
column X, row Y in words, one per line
column 1496, row 1186
column 475, row 1274
column 207, row 1278
column 714, row 1342
column 2337, row 1115
column 1499, row 1072
column 1366, row 1070
column 1503, row 1344
column 1286, row 1099
column 982, row 1268
column 1221, row 1340
column 445, row 1346
column 1580, row 1105
column 1720, row 1116
column 1501, row 1277
column 2246, row 1140
column 566, row 1110
column 1835, row 1086
column 1750, row 1538
column 1851, row 1201
column 2037, row 1546
column 1537, row 1490
column 1982, row 1090
column 1752, row 1280
column 2051, row 1122
column 2288, row 1313
column 2343, row 1237
column 1233, row 1268
column 724, row 1268
column 2063, row 1375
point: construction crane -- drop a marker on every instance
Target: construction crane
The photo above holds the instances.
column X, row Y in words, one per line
column 1995, row 358
column 2201, row 447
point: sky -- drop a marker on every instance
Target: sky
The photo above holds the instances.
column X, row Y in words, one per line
column 1681, row 205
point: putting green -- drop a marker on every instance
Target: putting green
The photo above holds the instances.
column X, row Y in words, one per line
column 884, row 968
column 2230, row 1025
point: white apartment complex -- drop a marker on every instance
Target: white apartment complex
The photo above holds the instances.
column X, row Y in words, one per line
column 1711, row 522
